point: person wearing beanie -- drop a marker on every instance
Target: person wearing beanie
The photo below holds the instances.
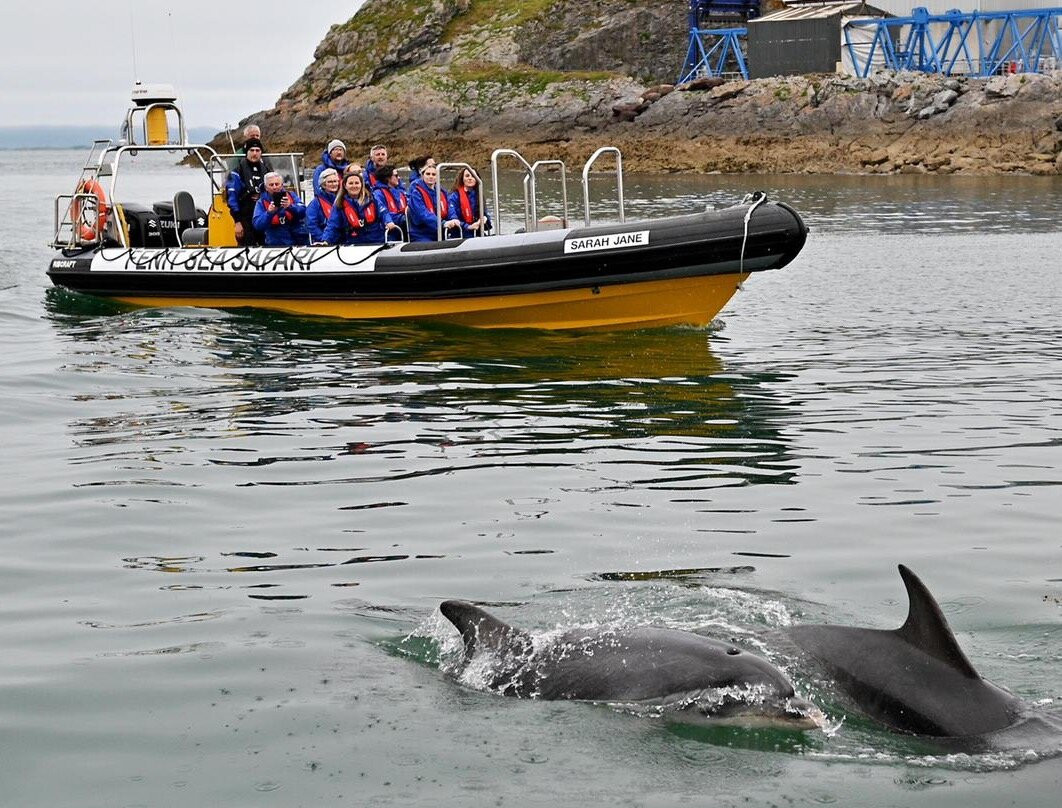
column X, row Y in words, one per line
column 334, row 156
column 320, row 207
column 243, row 188
column 391, row 199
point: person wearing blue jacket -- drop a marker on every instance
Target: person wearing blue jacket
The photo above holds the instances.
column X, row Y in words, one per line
column 320, row 207
column 279, row 214
column 334, row 156
column 422, row 216
column 355, row 219
column 416, row 165
column 377, row 160
column 243, row 188
column 391, row 200
column 464, row 202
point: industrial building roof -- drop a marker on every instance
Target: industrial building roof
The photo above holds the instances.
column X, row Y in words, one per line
column 823, row 10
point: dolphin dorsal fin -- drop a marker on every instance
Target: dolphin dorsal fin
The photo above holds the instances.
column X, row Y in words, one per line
column 927, row 629
column 482, row 630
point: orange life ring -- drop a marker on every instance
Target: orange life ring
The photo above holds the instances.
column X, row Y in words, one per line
column 90, row 232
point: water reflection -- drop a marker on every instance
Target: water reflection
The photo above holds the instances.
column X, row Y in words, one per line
column 366, row 402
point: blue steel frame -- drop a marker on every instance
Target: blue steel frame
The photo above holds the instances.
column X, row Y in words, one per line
column 909, row 43
column 711, row 50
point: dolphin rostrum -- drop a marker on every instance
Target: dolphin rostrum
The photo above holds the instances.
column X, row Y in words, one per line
column 915, row 678
column 682, row 675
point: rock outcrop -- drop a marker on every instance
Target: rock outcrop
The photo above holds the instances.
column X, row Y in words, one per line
column 557, row 78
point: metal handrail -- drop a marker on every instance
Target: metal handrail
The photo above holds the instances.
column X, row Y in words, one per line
column 619, row 181
column 564, row 185
column 89, row 171
column 182, row 132
column 438, row 193
column 530, row 205
column 189, row 149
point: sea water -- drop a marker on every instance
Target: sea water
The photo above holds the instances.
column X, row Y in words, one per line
column 225, row 535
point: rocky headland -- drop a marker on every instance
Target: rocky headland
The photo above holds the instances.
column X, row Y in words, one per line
column 558, row 78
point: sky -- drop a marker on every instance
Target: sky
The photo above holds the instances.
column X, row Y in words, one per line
column 73, row 63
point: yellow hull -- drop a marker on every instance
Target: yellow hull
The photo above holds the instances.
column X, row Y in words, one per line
column 679, row 301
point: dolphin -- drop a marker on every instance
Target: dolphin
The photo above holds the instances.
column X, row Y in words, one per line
column 914, row 679
column 677, row 674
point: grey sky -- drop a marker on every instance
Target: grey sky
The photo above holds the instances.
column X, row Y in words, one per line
column 72, row 63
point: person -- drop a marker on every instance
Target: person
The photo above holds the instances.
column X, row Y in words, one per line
column 334, row 156
column 251, row 132
column 377, row 160
column 416, row 165
column 422, row 217
column 355, row 219
column 243, row 188
column 390, row 199
column 464, row 202
column 320, row 207
column 279, row 214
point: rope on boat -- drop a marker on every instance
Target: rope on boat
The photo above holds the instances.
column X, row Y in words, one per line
column 221, row 259
column 753, row 200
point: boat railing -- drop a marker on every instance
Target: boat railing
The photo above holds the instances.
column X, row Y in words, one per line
column 564, row 187
column 287, row 164
column 65, row 234
column 153, row 126
column 586, row 181
column 439, row 192
column 530, row 209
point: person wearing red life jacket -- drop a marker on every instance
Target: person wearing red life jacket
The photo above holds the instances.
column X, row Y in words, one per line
column 320, row 207
column 354, row 219
column 377, row 160
column 391, row 200
column 464, row 202
column 279, row 214
column 422, row 216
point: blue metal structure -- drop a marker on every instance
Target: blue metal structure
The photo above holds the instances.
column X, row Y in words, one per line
column 712, row 51
column 978, row 43
column 716, row 37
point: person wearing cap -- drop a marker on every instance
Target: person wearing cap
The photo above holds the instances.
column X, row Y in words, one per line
column 464, row 202
column 334, row 156
column 279, row 214
column 320, row 207
column 390, row 198
column 377, row 160
column 243, row 189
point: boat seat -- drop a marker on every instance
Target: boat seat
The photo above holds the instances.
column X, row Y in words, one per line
column 184, row 215
column 194, row 237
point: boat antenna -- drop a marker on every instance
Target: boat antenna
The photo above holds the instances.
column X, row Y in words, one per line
column 228, row 131
column 132, row 36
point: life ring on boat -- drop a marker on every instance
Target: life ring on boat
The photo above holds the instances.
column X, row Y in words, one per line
column 90, row 231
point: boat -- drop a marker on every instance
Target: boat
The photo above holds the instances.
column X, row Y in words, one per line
column 551, row 273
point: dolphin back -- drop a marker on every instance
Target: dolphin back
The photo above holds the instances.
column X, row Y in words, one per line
column 914, row 678
column 481, row 630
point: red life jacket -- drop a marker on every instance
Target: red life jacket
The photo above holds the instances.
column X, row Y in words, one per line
column 467, row 215
column 352, row 215
column 326, row 207
column 429, row 200
column 287, row 214
column 389, row 198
